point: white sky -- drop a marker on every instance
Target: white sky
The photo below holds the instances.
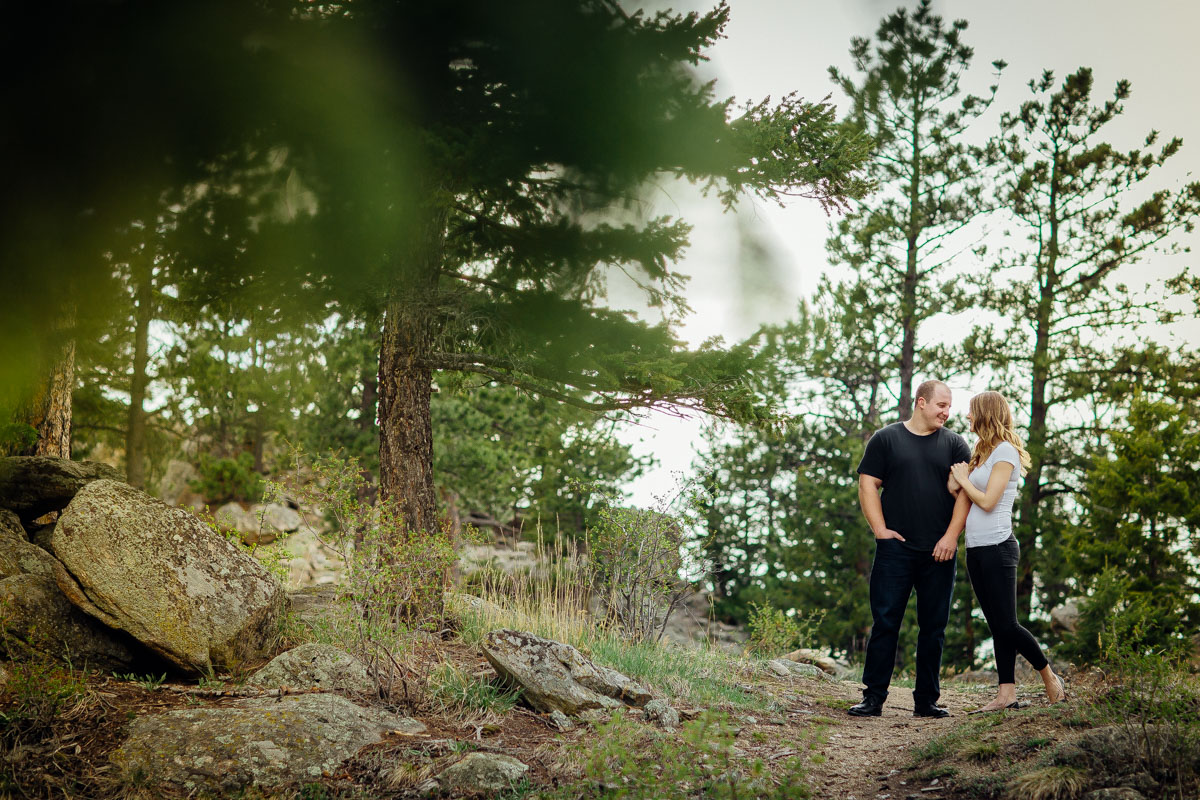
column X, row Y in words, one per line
column 773, row 47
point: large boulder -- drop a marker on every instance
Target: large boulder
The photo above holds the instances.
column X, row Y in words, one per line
column 265, row 742
column 35, row 485
column 166, row 578
column 34, row 612
column 10, row 526
column 20, row 557
column 482, row 773
column 553, row 675
column 315, row 665
column 830, row 666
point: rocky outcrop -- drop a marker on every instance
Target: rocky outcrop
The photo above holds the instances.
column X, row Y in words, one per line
column 32, row 486
column 10, row 526
column 19, row 556
column 553, row 675
column 264, row 742
column 34, row 612
column 784, row 667
column 830, row 666
column 315, row 665
column 482, row 774
column 165, row 577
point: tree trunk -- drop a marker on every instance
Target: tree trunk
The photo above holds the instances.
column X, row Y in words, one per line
column 908, row 292
column 1029, row 518
column 411, row 325
column 135, row 430
column 47, row 408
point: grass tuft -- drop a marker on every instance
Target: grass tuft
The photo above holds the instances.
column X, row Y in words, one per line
column 1050, row 783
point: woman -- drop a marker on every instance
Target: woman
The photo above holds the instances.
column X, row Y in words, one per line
column 989, row 481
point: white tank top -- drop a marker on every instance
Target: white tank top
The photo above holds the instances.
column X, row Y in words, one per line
column 993, row 527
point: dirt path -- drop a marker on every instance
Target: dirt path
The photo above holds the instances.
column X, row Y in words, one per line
column 864, row 756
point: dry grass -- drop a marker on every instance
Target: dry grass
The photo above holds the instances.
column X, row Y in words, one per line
column 1049, row 783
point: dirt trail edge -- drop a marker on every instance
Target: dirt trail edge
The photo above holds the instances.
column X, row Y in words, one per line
column 865, row 757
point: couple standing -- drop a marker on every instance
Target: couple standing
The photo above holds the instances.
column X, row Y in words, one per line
column 934, row 486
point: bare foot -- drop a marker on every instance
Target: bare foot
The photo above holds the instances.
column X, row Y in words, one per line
column 1056, row 692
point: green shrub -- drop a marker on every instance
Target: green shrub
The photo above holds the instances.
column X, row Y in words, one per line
column 394, row 579
column 457, row 692
column 1113, row 620
column 36, row 693
column 774, row 632
column 225, row 479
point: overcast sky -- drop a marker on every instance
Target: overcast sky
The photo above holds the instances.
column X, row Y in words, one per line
column 773, row 47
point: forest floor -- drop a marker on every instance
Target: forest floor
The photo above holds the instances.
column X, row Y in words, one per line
column 795, row 729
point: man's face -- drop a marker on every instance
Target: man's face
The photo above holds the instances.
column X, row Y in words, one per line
column 936, row 410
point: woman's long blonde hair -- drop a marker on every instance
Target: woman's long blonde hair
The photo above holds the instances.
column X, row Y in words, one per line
column 992, row 421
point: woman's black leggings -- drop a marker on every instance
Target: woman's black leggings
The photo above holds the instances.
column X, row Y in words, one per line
column 993, row 572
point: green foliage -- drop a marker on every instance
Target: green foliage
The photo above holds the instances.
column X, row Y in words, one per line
column 700, row 762
column 457, row 692
column 642, row 566
column 1115, row 619
column 394, row 578
column 36, row 693
column 705, row 677
column 774, row 632
column 148, row 682
column 907, row 97
column 225, row 479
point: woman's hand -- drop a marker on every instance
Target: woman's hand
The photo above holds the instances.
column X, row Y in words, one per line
column 960, row 473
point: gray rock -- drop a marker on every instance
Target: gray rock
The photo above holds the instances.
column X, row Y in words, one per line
column 264, row 741
column 176, row 481
column 34, row 612
column 480, row 773
column 10, row 526
column 561, row 721
column 1115, row 793
column 165, row 577
column 660, row 712
column 785, row 668
column 831, row 666
column 232, row 517
column 1065, row 618
column 555, row 675
column 21, row 557
column 35, row 485
column 315, row 665
column 278, row 518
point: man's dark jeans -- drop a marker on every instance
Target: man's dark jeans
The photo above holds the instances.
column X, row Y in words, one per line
column 897, row 570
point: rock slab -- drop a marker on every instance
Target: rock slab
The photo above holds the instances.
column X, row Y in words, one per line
column 483, row 773
column 553, row 675
column 35, row 612
column 315, row 665
column 265, row 741
column 165, row 577
column 35, row 485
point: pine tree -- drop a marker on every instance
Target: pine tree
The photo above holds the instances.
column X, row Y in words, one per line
column 908, row 98
column 1086, row 212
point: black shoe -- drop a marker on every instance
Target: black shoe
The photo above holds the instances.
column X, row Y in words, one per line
column 869, row 707
column 930, row 710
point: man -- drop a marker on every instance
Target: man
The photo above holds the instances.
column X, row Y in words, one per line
column 916, row 531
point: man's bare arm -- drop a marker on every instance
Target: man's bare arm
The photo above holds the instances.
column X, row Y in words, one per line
column 946, row 547
column 872, row 507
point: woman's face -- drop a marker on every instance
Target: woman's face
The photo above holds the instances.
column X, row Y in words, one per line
column 970, row 421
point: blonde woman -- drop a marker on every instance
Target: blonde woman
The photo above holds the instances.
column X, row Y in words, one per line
column 989, row 482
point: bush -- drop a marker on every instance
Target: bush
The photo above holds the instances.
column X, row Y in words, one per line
column 773, row 632
column 642, row 569
column 394, row 579
column 1114, row 620
column 225, row 479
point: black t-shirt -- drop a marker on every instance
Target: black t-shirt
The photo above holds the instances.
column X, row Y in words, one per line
column 914, row 470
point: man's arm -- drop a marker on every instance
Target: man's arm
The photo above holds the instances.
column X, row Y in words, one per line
column 872, row 507
column 946, row 547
